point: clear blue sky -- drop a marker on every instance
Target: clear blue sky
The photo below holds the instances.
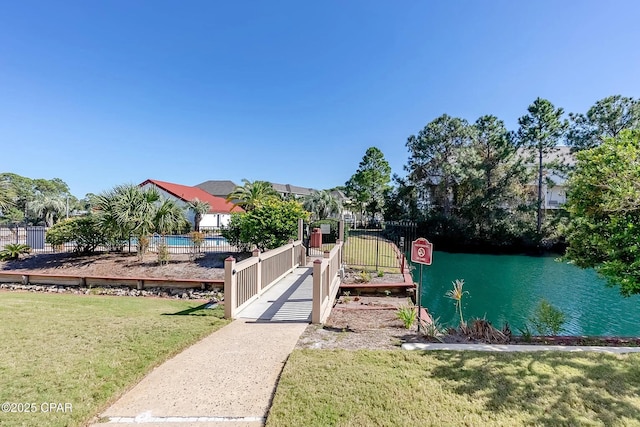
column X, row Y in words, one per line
column 100, row 93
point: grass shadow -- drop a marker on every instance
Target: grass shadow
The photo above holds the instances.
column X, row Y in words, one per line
column 551, row 388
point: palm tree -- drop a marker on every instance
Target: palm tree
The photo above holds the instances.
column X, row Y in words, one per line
column 129, row 210
column 252, row 194
column 200, row 208
column 322, row 204
column 168, row 217
column 48, row 208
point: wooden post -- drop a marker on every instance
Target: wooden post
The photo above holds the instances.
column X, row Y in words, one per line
column 230, row 298
column 256, row 253
column 300, row 229
column 316, row 308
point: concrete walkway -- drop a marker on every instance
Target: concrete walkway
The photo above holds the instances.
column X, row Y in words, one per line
column 518, row 348
column 228, row 378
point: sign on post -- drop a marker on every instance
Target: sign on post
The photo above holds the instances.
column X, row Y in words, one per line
column 421, row 251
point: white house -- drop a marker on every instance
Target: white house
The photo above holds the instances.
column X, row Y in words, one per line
column 219, row 212
column 554, row 185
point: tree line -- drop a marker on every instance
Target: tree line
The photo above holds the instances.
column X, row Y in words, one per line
column 479, row 184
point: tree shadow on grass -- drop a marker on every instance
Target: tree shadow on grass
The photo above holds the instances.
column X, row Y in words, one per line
column 549, row 387
column 200, row 310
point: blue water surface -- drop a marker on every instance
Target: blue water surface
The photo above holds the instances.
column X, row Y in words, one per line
column 507, row 288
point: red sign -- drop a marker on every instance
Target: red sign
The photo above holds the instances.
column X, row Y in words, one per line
column 421, row 251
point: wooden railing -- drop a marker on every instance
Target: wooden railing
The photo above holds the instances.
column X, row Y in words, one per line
column 244, row 281
column 326, row 282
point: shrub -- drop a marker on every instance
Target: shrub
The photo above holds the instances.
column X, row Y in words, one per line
column 163, row 253
column 407, row 314
column 268, row 226
column 13, row 251
column 363, row 277
column 432, row 328
column 84, row 232
column 547, row 319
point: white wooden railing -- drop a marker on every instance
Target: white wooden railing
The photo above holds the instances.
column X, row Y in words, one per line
column 244, row 281
column 326, row 282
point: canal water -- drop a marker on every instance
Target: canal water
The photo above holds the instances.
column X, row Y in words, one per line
column 507, row 288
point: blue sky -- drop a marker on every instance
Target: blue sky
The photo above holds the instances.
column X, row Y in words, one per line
column 112, row 92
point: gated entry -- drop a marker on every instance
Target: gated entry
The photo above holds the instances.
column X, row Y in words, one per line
column 378, row 249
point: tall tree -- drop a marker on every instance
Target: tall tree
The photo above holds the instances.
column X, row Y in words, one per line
column 252, row 194
column 433, row 166
column 7, row 195
column 401, row 201
column 493, row 178
column 604, row 208
column 605, row 119
column 369, row 184
column 322, row 205
column 200, row 208
column 26, row 190
column 539, row 133
column 48, row 208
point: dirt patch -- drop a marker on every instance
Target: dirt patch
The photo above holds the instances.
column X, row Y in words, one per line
column 356, row 276
column 360, row 323
column 210, row 266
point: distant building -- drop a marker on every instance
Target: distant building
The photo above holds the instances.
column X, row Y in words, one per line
column 218, row 188
column 554, row 179
column 219, row 212
column 288, row 190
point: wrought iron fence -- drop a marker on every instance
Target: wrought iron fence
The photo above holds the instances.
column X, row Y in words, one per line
column 380, row 249
column 35, row 238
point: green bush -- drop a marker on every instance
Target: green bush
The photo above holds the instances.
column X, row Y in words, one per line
column 268, row 226
column 84, row 232
column 547, row 319
column 407, row 314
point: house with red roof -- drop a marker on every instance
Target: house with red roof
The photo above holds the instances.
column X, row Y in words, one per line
column 219, row 213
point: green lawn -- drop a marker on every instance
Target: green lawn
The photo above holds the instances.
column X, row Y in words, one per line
column 366, row 252
column 87, row 350
column 403, row 388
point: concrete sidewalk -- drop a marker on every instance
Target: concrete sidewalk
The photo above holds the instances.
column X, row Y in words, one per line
column 518, row 348
column 228, row 378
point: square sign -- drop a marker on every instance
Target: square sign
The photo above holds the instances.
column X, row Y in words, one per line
column 421, row 251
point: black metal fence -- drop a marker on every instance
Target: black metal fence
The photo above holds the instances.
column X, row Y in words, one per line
column 380, row 249
column 35, row 238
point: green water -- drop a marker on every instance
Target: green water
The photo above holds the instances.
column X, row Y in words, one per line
column 507, row 288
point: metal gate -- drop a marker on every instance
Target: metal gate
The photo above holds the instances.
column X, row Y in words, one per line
column 380, row 249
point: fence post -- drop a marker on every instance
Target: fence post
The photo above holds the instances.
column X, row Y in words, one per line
column 230, row 297
column 300, row 229
column 256, row 253
column 316, row 308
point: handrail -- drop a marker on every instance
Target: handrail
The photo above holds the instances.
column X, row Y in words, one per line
column 246, row 280
column 326, row 282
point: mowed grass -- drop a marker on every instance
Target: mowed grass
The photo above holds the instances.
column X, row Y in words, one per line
column 87, row 350
column 410, row 388
column 367, row 252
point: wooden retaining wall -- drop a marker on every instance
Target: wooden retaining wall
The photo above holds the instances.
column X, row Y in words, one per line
column 26, row 278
